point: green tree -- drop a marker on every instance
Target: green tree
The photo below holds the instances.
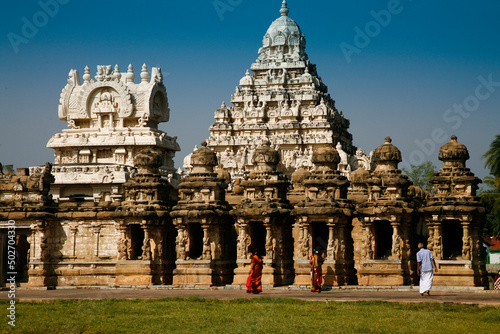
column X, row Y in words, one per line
column 492, row 157
column 491, row 200
column 6, row 168
column 492, row 182
column 491, row 195
column 420, row 174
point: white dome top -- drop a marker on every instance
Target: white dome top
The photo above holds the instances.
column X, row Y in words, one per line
column 283, row 40
column 247, row 80
column 283, row 31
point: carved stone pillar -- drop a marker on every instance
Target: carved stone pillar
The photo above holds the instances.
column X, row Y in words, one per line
column 242, row 247
column 278, row 232
column 34, row 254
column 332, row 243
column 373, row 245
column 207, row 251
column 430, row 240
column 396, row 242
column 122, row 242
column 146, row 244
column 182, row 242
column 478, row 250
column 342, row 249
column 97, row 233
column 405, row 232
column 74, row 230
column 39, row 271
column 44, row 247
column 467, row 245
column 305, row 242
column 269, row 242
column 438, row 242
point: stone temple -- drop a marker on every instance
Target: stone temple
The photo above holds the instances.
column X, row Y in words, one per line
column 279, row 173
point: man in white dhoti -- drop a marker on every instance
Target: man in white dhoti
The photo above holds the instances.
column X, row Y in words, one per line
column 425, row 269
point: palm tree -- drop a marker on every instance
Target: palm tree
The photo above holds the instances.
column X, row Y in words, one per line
column 6, row 168
column 493, row 158
column 491, row 197
column 492, row 182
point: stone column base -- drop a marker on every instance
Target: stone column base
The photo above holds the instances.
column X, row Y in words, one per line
column 460, row 273
column 134, row 273
column 193, row 272
column 268, row 277
column 302, row 273
column 382, row 272
column 337, row 273
column 39, row 275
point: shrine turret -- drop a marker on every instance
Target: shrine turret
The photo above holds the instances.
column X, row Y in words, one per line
column 454, row 217
column 110, row 119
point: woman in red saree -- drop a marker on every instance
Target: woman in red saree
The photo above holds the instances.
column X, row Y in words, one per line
column 316, row 272
column 255, row 274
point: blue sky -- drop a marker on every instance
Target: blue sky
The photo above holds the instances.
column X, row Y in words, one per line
column 430, row 71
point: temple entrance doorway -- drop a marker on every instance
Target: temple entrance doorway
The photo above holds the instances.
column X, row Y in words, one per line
column 452, row 239
column 136, row 241
column 20, row 256
column 383, row 239
column 195, row 240
column 320, row 235
column 258, row 236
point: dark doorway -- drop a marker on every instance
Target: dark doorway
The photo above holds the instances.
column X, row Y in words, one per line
column 3, row 257
column 383, row 239
column 136, row 241
column 195, row 240
column 22, row 248
column 258, row 236
column 452, row 239
column 320, row 235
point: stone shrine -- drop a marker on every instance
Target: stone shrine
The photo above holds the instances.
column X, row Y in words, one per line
column 263, row 221
column 454, row 216
column 387, row 219
column 323, row 221
column 203, row 223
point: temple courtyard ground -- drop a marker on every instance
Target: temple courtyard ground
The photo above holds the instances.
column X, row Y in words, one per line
column 458, row 295
column 276, row 310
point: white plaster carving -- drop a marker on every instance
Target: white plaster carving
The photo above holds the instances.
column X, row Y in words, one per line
column 282, row 99
column 108, row 118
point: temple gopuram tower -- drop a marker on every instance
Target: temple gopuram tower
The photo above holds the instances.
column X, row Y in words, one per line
column 455, row 219
column 281, row 99
column 110, row 119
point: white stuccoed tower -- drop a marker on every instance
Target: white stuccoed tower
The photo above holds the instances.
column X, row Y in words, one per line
column 283, row 101
column 110, row 120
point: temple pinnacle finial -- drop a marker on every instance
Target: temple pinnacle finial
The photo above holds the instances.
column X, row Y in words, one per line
column 284, row 9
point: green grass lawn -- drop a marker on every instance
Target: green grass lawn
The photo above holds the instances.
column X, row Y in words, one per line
column 259, row 315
